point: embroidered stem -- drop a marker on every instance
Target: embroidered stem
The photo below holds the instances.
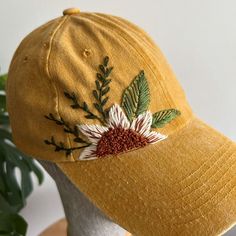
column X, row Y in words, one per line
column 102, row 88
column 61, row 147
column 82, row 106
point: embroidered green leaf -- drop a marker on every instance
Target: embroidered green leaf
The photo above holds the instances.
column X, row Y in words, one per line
column 90, row 117
column 95, row 94
column 99, row 76
column 98, row 107
column 106, row 82
column 85, row 107
column 104, row 101
column 105, row 61
column 136, row 97
column 97, row 85
column 79, row 140
column 105, row 91
column 161, row 118
column 102, row 68
column 108, row 71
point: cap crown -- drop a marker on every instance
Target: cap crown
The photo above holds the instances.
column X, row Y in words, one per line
column 64, row 55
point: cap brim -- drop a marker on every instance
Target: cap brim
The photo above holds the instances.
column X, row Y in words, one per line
column 184, row 185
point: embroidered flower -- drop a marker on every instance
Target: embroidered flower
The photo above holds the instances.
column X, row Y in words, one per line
column 119, row 136
column 122, row 128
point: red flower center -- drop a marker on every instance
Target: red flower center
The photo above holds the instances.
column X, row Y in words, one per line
column 117, row 140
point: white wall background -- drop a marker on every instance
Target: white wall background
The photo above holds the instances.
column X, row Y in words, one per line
column 197, row 37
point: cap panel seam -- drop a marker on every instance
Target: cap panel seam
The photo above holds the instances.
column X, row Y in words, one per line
column 51, row 77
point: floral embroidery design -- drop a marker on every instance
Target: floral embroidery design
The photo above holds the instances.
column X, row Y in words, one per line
column 120, row 135
column 122, row 128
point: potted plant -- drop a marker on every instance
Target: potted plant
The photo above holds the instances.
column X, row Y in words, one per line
column 14, row 187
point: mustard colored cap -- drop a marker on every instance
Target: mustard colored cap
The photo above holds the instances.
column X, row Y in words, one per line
column 94, row 94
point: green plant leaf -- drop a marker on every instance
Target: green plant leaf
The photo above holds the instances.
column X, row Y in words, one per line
column 12, row 224
column 5, row 134
column 12, row 195
column 4, row 119
column 5, row 206
column 136, row 97
column 3, row 79
column 12, row 191
column 2, row 103
column 2, row 184
column 161, row 118
column 32, row 164
column 20, row 161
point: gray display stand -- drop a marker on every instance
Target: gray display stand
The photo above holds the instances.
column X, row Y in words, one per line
column 84, row 219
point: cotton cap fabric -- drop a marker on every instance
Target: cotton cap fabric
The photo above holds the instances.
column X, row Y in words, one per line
column 183, row 185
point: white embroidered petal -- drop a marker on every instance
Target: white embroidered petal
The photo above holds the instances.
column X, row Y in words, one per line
column 117, row 117
column 154, row 137
column 142, row 123
column 93, row 132
column 89, row 153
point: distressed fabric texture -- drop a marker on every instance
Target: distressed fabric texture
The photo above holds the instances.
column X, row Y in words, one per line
column 183, row 185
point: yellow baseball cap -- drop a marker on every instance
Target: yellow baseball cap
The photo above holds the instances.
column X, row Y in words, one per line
column 94, row 94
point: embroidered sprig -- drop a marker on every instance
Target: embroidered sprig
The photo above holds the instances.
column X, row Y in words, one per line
column 68, row 129
column 83, row 106
column 102, row 88
column 61, row 146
